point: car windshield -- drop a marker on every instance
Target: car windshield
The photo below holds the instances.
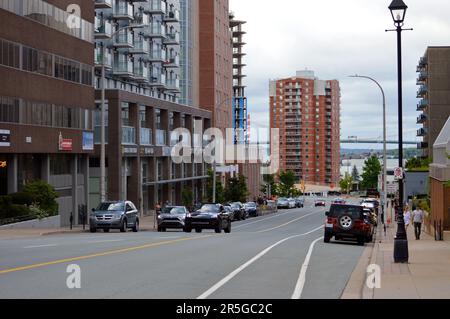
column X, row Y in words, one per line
column 282, row 199
column 115, row 207
column 251, row 205
column 338, row 210
column 235, row 205
column 209, row 207
column 174, row 210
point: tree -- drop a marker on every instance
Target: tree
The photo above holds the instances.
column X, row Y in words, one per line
column 209, row 189
column 187, row 197
column 371, row 171
column 286, row 184
column 346, row 183
column 355, row 174
column 236, row 189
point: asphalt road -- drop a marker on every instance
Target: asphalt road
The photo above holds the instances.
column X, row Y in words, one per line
column 277, row 256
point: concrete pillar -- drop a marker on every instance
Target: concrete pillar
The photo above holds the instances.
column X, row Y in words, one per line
column 12, row 174
column 114, row 151
column 45, row 168
column 85, row 171
column 74, row 171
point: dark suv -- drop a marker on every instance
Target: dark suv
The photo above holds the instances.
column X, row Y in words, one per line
column 347, row 221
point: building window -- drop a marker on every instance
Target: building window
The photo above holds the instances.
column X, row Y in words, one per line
column 60, row 164
column 9, row 54
column 9, row 109
column 37, row 61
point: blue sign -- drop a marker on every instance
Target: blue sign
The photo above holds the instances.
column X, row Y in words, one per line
column 88, row 141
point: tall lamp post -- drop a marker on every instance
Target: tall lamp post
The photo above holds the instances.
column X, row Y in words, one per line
column 384, row 140
column 103, row 116
column 398, row 10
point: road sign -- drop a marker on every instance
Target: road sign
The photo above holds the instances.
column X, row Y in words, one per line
column 398, row 173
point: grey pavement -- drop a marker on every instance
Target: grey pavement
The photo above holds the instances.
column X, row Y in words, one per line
column 180, row 265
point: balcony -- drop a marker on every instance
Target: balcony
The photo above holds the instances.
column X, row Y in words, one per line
column 128, row 135
column 173, row 62
column 123, row 39
column 155, row 30
column 157, row 80
column 123, row 11
column 156, row 7
column 146, row 136
column 161, row 138
column 423, row 89
column 100, row 60
column 157, row 55
column 422, row 132
column 141, row 18
column 124, row 69
column 172, row 38
column 103, row 4
column 172, row 16
column 423, row 62
column 423, row 75
column 97, row 133
column 141, row 72
column 173, row 85
column 421, row 119
column 422, row 105
column 103, row 28
column 141, row 46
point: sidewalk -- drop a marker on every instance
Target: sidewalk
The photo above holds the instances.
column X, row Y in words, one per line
column 146, row 224
column 426, row 276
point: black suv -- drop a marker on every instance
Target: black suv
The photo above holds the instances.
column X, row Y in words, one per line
column 347, row 221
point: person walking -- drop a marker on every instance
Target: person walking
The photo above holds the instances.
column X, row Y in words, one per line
column 407, row 217
column 418, row 216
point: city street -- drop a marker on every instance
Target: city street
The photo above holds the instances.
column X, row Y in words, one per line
column 261, row 258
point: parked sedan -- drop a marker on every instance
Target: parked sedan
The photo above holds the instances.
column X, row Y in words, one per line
column 239, row 211
column 292, row 203
column 251, row 209
column 172, row 217
column 114, row 215
column 282, row 202
column 319, row 202
column 210, row 216
column 299, row 202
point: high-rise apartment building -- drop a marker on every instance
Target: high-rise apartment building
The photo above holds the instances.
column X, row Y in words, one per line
column 307, row 112
column 239, row 99
column 216, row 92
column 434, row 95
column 47, row 99
column 143, row 100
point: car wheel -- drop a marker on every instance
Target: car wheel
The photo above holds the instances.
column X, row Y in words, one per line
column 188, row 230
column 123, row 228
column 159, row 229
column 92, row 229
column 218, row 229
column 326, row 239
column 228, row 229
column 244, row 217
column 136, row 226
column 361, row 241
column 198, row 230
column 106, row 230
column 163, row 229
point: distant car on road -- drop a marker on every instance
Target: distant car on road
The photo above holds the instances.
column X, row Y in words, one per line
column 283, row 203
column 299, row 202
column 229, row 210
column 347, row 222
column 338, row 201
column 251, row 208
column 114, row 215
column 292, row 203
column 239, row 211
column 209, row 216
column 172, row 217
column 319, row 202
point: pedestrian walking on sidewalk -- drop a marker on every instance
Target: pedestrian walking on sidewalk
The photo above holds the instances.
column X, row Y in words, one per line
column 407, row 217
column 418, row 215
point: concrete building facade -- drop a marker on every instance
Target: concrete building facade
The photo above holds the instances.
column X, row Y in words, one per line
column 307, row 112
column 434, row 94
column 47, row 99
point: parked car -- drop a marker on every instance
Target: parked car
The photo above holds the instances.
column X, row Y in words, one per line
column 239, row 211
column 372, row 204
column 209, row 216
column 347, row 222
column 172, row 217
column 283, row 203
column 114, row 215
column 292, row 203
column 371, row 216
column 319, row 202
column 229, row 210
column 338, row 201
column 251, row 208
column 299, row 202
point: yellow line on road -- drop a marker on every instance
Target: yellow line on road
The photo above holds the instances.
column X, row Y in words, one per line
column 106, row 253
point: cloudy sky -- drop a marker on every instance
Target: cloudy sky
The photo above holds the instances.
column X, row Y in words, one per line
column 337, row 38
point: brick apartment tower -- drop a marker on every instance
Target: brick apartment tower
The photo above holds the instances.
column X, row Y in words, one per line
column 434, row 94
column 216, row 65
column 307, row 112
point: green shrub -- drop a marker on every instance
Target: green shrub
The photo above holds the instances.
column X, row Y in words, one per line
column 43, row 195
column 15, row 211
column 38, row 212
column 22, row 198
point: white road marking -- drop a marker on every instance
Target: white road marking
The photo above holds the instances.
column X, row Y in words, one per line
column 105, row 241
column 285, row 224
column 302, row 277
column 168, row 237
column 263, row 219
column 230, row 276
column 40, row 246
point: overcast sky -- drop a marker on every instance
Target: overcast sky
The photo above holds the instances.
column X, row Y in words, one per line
column 337, row 38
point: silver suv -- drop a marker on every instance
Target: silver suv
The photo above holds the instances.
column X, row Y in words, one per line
column 114, row 215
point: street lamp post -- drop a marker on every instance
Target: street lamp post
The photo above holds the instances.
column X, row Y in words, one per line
column 103, row 115
column 384, row 140
column 398, row 10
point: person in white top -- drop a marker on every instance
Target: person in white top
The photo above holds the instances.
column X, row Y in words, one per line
column 407, row 217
